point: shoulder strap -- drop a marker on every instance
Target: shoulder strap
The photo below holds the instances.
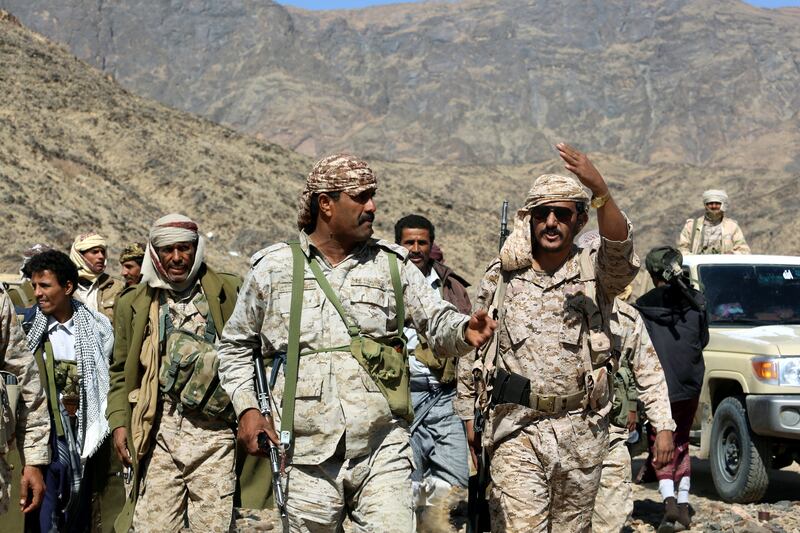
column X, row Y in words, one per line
column 293, row 344
column 592, row 309
column 397, row 285
column 352, row 328
column 52, row 396
column 499, row 305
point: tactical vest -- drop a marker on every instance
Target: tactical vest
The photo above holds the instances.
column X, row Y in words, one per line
column 600, row 356
column 385, row 360
column 188, row 372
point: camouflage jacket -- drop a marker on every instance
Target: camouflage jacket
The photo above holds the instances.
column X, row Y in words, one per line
column 542, row 339
column 334, row 395
column 700, row 236
column 33, row 421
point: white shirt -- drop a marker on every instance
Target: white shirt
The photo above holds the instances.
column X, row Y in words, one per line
column 88, row 294
column 415, row 366
column 62, row 339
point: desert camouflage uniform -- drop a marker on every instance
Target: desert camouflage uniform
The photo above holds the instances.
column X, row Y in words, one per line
column 542, row 339
column 33, row 421
column 724, row 237
column 614, row 501
column 350, row 452
column 201, row 450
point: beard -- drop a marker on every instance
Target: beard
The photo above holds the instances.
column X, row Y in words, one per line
column 714, row 216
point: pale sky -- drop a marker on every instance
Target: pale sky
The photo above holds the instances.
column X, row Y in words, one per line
column 355, row 4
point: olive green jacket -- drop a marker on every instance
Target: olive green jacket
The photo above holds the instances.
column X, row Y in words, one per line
column 130, row 324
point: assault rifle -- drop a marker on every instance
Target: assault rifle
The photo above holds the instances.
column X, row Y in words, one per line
column 477, row 505
column 264, row 442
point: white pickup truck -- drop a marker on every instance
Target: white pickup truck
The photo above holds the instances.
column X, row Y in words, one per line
column 749, row 413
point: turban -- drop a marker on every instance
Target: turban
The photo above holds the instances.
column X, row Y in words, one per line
column 334, row 173
column 716, row 195
column 517, row 252
column 82, row 243
column 132, row 252
column 166, row 231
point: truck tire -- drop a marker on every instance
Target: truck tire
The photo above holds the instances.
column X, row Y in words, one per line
column 739, row 459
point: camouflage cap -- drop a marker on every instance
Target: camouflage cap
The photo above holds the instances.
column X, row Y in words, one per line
column 132, row 252
column 334, row 173
column 661, row 258
column 554, row 188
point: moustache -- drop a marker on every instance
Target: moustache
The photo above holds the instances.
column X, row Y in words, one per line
column 366, row 217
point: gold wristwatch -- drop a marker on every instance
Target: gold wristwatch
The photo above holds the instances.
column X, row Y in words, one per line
column 600, row 201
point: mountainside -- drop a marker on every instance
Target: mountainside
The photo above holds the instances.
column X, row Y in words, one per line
column 78, row 152
column 710, row 82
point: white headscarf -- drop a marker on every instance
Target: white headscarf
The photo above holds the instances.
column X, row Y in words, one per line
column 168, row 230
column 716, row 195
column 82, row 243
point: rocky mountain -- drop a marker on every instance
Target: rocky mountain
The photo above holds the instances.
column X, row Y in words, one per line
column 702, row 82
column 77, row 151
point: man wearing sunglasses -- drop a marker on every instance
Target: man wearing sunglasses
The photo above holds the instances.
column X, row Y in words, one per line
column 550, row 368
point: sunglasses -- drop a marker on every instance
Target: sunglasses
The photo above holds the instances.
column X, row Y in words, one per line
column 542, row 212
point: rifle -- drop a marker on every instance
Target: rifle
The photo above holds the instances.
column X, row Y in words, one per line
column 478, row 506
column 264, row 442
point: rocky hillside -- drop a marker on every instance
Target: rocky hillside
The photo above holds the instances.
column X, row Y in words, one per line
column 711, row 82
column 77, row 151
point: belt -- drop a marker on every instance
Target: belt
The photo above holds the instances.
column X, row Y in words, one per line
column 555, row 404
column 429, row 384
column 509, row 387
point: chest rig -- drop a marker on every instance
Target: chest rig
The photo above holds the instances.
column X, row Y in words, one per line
column 599, row 351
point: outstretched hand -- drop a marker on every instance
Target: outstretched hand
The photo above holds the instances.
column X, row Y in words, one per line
column 579, row 164
column 480, row 328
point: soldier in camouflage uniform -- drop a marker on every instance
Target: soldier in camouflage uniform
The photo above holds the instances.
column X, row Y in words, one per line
column 31, row 422
column 614, row 502
column 350, row 455
column 181, row 447
column 546, row 425
column 714, row 232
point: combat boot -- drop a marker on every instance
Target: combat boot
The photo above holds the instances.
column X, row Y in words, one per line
column 670, row 523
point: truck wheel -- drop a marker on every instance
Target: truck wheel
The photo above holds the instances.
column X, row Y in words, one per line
column 739, row 459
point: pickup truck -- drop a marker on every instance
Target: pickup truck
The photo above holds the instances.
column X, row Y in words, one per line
column 749, row 413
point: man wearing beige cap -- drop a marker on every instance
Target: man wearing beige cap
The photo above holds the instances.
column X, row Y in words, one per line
column 332, row 304
column 550, row 368
column 714, row 232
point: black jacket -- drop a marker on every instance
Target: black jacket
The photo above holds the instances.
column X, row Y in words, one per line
column 679, row 333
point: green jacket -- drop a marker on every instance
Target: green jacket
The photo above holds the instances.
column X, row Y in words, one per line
column 130, row 322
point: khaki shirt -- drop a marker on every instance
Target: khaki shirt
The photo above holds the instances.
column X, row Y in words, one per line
column 724, row 237
column 33, row 419
column 335, row 396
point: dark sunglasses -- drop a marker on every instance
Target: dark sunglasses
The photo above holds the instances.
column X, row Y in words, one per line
column 542, row 212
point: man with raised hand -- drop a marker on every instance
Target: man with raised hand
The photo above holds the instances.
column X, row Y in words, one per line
column 549, row 372
column 334, row 303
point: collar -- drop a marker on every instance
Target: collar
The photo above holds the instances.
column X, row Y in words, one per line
column 433, row 279
column 308, row 248
column 53, row 324
column 569, row 270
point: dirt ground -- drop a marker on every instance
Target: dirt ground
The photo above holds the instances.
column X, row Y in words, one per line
column 782, row 502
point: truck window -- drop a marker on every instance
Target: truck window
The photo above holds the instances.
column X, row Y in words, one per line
column 751, row 294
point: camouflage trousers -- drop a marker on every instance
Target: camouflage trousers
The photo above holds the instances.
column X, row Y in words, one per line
column 614, row 502
column 373, row 490
column 532, row 490
column 190, row 476
column 5, row 484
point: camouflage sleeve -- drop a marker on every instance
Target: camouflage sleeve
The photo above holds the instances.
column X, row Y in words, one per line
column 685, row 238
column 740, row 245
column 443, row 324
column 616, row 264
column 242, row 335
column 650, row 381
column 464, row 403
column 33, row 419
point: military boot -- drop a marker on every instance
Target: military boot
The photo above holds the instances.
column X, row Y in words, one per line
column 670, row 523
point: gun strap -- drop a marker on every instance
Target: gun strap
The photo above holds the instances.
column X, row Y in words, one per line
column 397, row 286
column 55, row 406
column 499, row 301
column 293, row 344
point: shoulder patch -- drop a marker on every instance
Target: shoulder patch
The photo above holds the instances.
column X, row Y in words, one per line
column 261, row 254
column 394, row 248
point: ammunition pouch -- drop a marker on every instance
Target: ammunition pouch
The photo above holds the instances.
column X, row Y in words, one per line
column 189, row 375
column 509, row 387
column 387, row 365
column 9, row 397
